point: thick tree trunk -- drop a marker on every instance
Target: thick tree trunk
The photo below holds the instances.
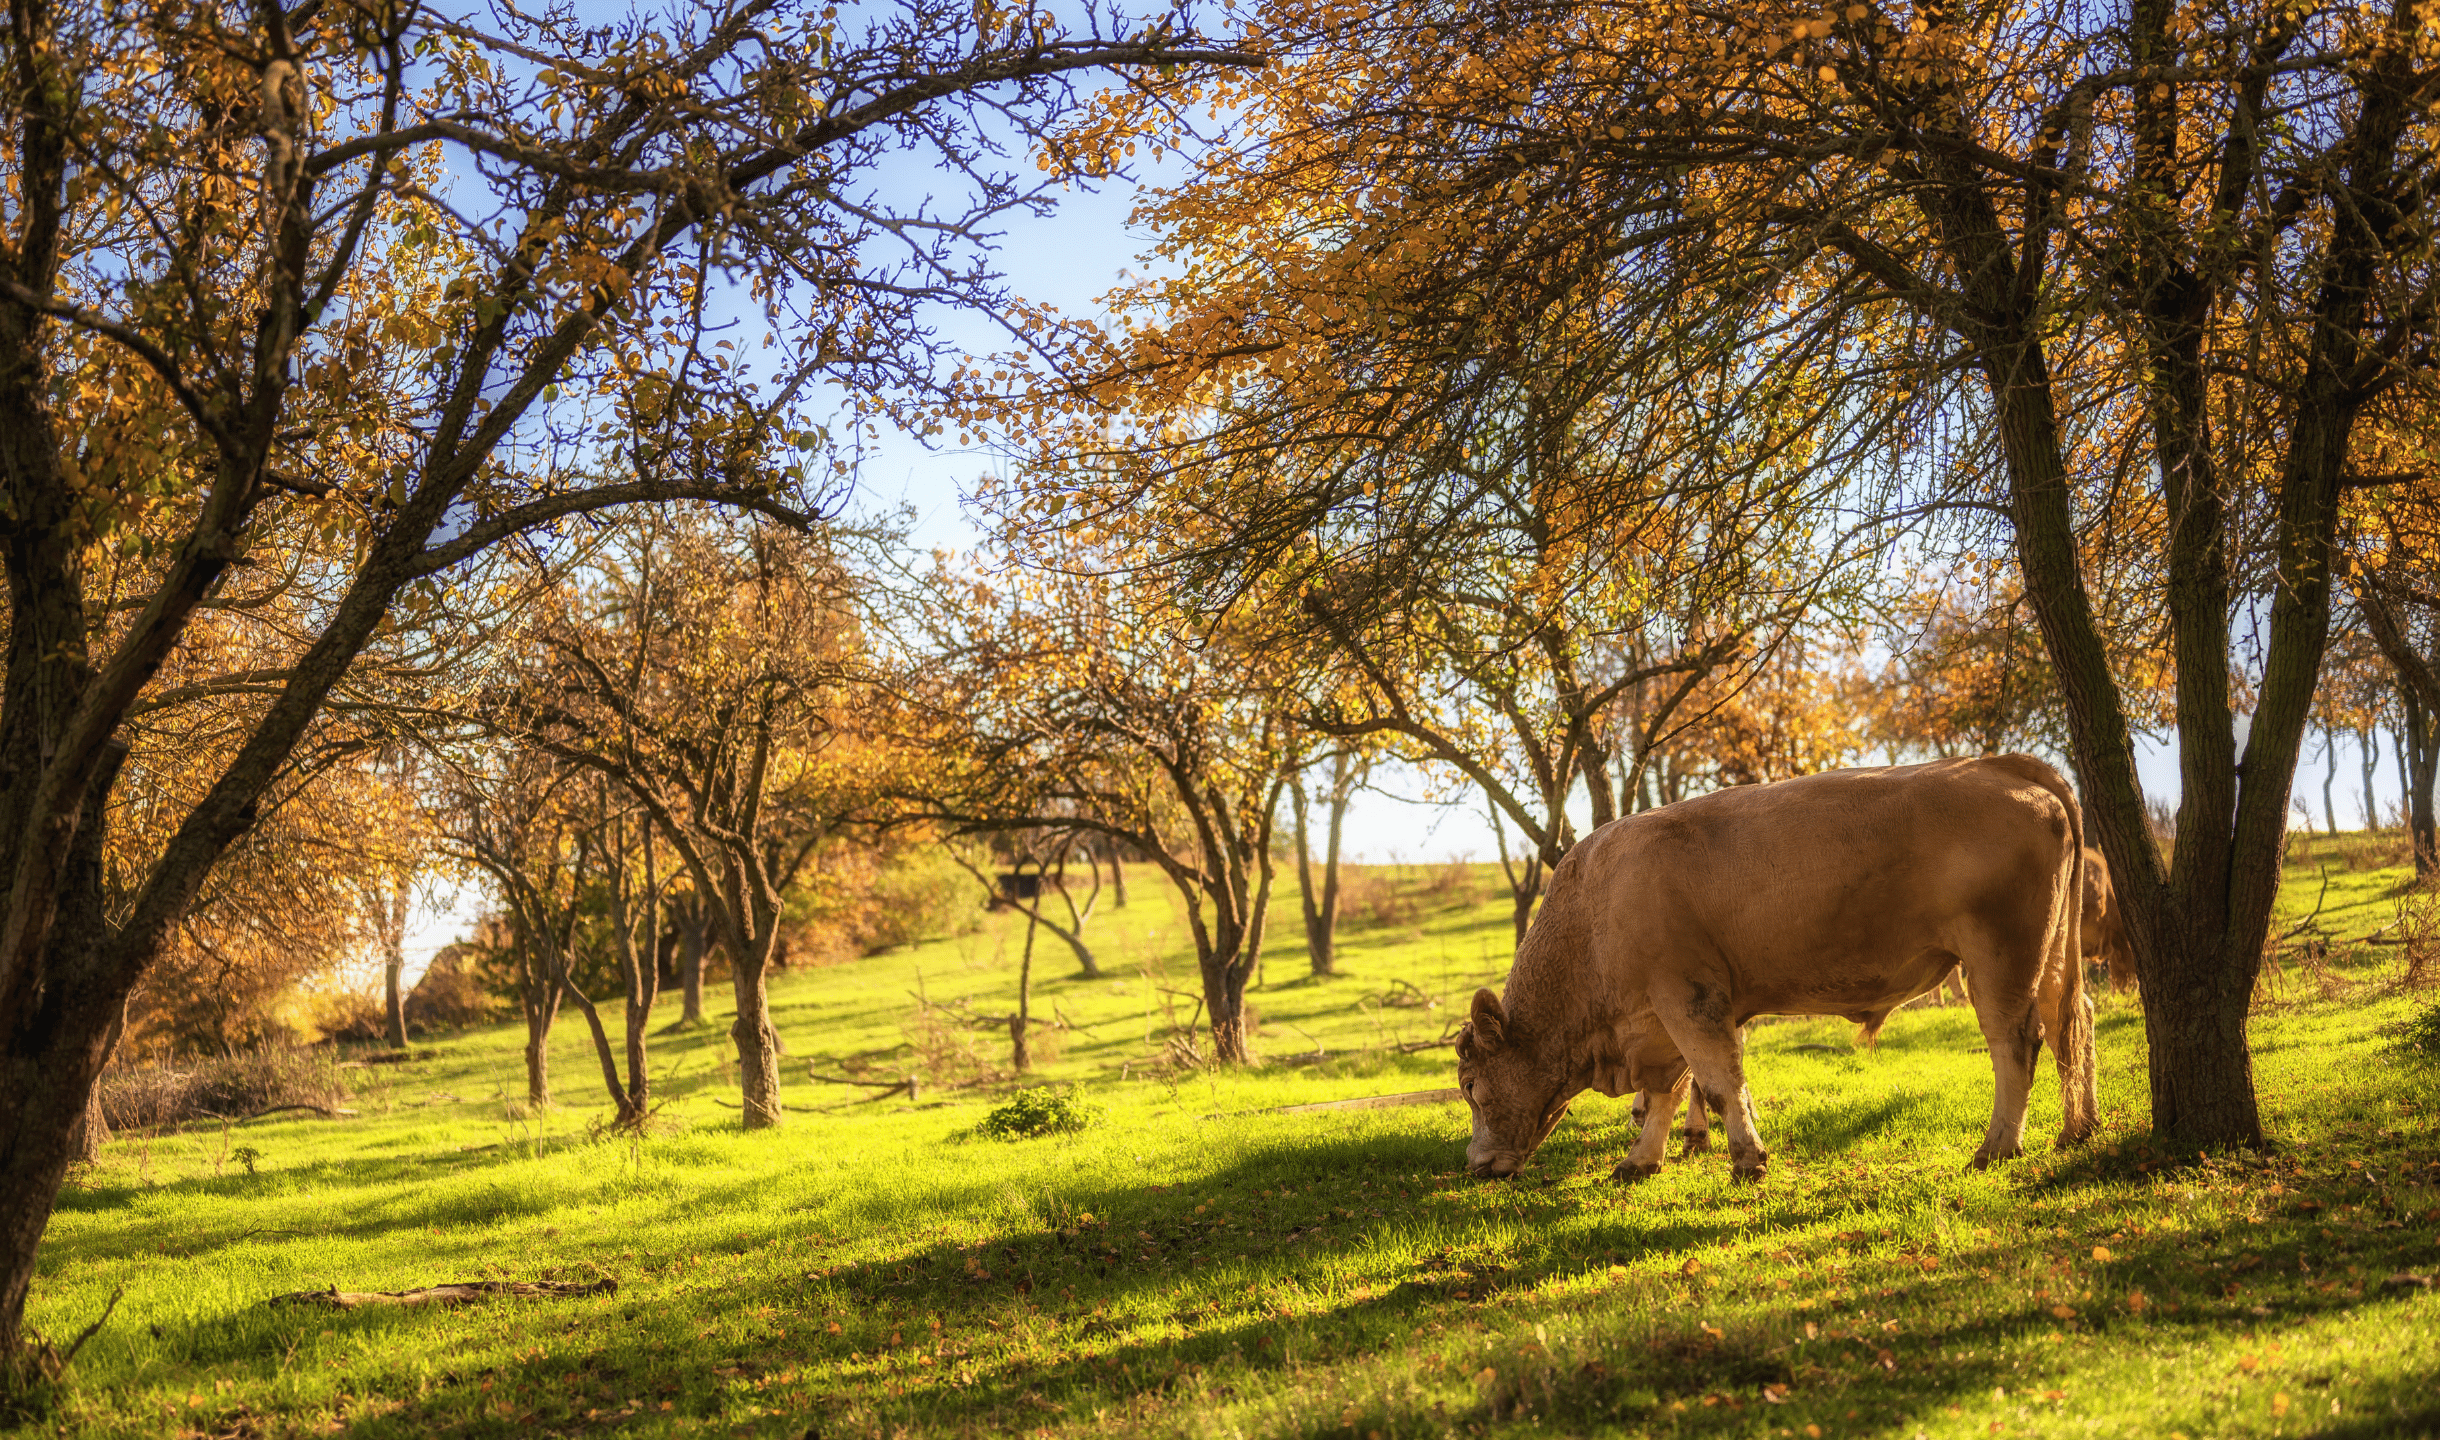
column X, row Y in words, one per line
column 42, row 1102
column 758, row 1048
column 538, row 1064
column 1224, row 1000
column 92, row 1131
column 47, row 1080
column 2209, row 1093
column 2418, row 759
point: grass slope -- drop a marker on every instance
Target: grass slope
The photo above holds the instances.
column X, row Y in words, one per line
column 1198, row 1265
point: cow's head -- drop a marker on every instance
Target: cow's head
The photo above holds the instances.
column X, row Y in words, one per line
column 1516, row 1098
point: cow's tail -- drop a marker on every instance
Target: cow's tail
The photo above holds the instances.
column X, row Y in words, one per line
column 2071, row 1017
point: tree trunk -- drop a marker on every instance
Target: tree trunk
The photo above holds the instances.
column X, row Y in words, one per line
column 2211, row 1091
column 757, row 1047
column 2422, row 742
column 49, row 1068
column 643, row 990
column 2370, row 741
column 1522, row 896
column 1317, row 938
column 394, row 908
column 692, row 942
column 628, row 1111
column 1524, row 879
column 1340, row 796
column 665, row 959
column 1224, row 981
column 2329, row 779
column 1224, row 1000
column 538, row 1062
column 92, row 1130
column 1021, row 1054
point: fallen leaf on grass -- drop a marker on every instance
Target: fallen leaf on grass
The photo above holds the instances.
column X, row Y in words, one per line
column 2279, row 1403
column 2064, row 1312
column 1775, row 1394
column 2101, row 1252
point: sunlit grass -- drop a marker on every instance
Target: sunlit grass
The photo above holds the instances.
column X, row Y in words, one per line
column 1199, row 1265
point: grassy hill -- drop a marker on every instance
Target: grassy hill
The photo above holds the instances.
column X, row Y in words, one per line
column 1199, row 1264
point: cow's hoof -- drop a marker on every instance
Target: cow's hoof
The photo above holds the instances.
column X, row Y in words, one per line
column 1985, row 1157
column 1697, row 1145
column 1628, row 1172
column 1746, row 1171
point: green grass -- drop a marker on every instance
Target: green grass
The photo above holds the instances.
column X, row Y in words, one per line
column 1197, row 1264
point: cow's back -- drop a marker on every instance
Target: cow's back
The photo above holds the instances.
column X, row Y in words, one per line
column 1840, row 893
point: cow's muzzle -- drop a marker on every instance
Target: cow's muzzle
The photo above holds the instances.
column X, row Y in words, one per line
column 1495, row 1167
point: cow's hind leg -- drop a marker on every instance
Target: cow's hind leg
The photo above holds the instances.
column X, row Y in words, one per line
column 1655, row 1109
column 1698, row 1023
column 2067, row 1020
column 1698, row 1122
column 2014, row 1033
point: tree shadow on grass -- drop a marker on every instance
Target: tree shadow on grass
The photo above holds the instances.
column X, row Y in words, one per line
column 1292, row 1269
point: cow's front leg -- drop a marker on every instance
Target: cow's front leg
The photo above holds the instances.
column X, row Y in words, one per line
column 1655, row 1108
column 2014, row 1033
column 1699, row 1022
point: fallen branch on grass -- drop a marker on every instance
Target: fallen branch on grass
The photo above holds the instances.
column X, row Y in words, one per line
column 1377, row 1102
column 327, row 1112
column 69, row 1355
column 458, row 1292
column 214, row 1117
column 867, row 1084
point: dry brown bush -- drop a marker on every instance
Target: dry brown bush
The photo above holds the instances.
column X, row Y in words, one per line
column 222, row 1089
column 451, row 995
column 2418, row 930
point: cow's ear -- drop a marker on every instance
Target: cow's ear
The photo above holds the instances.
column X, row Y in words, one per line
column 1490, row 1021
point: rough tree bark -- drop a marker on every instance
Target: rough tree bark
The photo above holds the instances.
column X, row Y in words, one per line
column 1321, row 902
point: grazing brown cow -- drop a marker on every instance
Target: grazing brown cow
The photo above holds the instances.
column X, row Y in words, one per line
column 2105, row 925
column 1846, row 893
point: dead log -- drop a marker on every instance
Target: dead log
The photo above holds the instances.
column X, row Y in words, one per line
column 459, row 1292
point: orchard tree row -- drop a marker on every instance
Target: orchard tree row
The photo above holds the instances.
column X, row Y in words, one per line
column 430, row 432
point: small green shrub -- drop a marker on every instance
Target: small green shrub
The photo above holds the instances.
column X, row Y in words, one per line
column 2420, row 1036
column 1040, row 1111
